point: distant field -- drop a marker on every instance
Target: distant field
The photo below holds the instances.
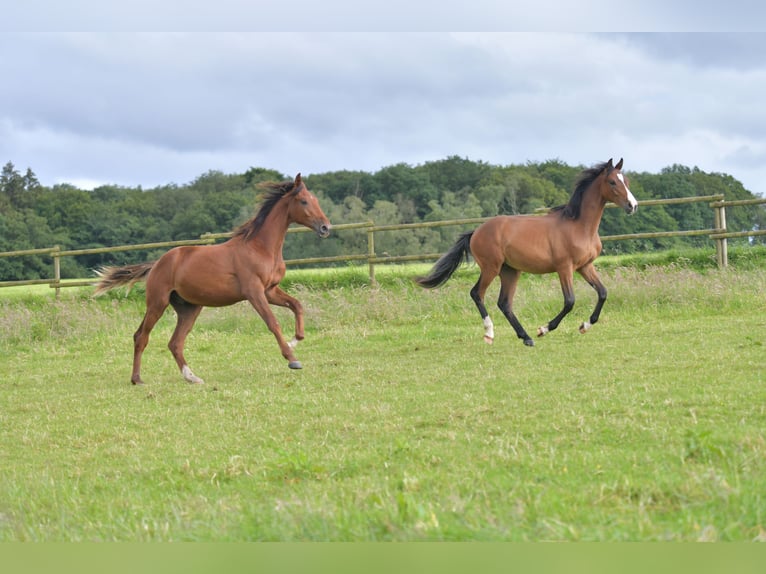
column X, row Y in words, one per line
column 403, row 425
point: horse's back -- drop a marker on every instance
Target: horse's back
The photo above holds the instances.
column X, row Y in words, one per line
column 524, row 242
column 199, row 274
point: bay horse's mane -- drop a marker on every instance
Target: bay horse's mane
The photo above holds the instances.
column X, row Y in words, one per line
column 571, row 210
column 268, row 199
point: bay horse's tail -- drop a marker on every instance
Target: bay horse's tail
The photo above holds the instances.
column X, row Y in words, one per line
column 447, row 263
column 129, row 275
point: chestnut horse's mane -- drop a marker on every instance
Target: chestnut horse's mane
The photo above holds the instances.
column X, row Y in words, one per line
column 571, row 210
column 268, row 199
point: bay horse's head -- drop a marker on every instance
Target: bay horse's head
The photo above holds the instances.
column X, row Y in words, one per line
column 614, row 187
column 304, row 209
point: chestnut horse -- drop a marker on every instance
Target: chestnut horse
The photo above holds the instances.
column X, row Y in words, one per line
column 249, row 266
column 563, row 241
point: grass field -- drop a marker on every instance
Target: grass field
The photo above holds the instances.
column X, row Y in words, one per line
column 403, row 424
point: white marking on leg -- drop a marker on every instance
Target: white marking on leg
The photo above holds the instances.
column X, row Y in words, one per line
column 191, row 377
column 292, row 344
column 584, row 327
column 542, row 331
column 489, row 330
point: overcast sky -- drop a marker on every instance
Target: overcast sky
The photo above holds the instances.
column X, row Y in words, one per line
column 153, row 108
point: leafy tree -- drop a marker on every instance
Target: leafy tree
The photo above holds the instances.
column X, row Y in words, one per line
column 535, row 193
column 456, row 173
column 256, row 175
column 16, row 190
column 499, row 195
column 21, row 230
column 561, row 175
column 401, row 180
column 11, row 185
column 740, row 218
column 391, row 242
column 339, row 185
column 33, row 215
column 452, row 206
column 192, row 221
column 70, row 210
column 30, row 181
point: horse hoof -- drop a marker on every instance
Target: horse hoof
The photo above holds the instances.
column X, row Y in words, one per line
column 529, row 342
column 190, row 377
column 295, row 365
column 488, row 340
column 584, row 327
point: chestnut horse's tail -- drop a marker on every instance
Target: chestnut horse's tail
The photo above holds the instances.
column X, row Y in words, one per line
column 447, row 263
column 129, row 275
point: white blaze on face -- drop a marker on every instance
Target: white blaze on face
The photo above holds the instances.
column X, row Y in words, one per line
column 631, row 199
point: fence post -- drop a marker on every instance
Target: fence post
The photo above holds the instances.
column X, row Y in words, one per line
column 371, row 251
column 57, row 269
column 721, row 245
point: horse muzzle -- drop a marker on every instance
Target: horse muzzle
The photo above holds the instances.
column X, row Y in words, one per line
column 323, row 229
column 631, row 205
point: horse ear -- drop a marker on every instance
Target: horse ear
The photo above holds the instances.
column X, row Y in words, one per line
column 298, row 180
column 619, row 164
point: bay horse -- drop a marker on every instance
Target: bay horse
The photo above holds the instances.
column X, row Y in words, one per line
column 249, row 266
column 563, row 241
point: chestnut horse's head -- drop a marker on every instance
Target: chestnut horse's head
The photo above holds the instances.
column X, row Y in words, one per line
column 304, row 209
column 614, row 187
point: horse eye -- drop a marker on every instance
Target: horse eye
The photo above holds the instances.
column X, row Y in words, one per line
column 304, row 202
column 612, row 182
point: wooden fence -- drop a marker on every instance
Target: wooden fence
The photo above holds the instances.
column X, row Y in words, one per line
column 718, row 233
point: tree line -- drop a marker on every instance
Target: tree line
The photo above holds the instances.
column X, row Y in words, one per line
column 37, row 216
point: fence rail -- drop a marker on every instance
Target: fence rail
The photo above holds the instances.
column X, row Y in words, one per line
column 719, row 233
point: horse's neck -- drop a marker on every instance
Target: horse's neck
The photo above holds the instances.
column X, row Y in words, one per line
column 591, row 211
column 271, row 236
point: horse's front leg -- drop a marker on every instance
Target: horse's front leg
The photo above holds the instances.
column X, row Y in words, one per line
column 261, row 304
column 590, row 274
column 565, row 277
column 278, row 297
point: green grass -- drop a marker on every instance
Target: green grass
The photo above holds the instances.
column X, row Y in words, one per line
column 403, row 424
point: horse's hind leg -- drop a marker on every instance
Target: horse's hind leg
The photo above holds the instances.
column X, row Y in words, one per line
column 509, row 279
column 187, row 315
column 565, row 277
column 154, row 311
column 590, row 274
column 477, row 294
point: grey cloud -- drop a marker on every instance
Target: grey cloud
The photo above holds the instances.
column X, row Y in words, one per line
column 739, row 51
column 383, row 16
column 159, row 108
